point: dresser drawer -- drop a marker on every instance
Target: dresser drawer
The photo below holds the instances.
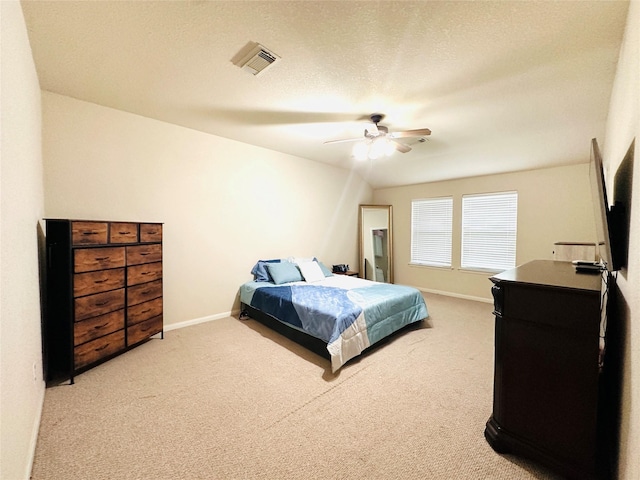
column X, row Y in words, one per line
column 89, row 233
column 99, row 348
column 144, row 311
column 98, row 281
column 98, row 304
column 150, row 232
column 144, row 273
column 144, row 330
column 540, row 305
column 140, row 254
column 144, row 292
column 95, row 327
column 88, row 259
column 121, row 232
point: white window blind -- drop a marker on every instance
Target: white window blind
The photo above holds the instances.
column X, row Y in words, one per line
column 431, row 225
column 489, row 228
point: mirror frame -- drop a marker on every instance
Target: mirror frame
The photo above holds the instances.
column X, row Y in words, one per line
column 389, row 210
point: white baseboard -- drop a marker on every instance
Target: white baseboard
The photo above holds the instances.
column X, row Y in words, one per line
column 455, row 295
column 196, row 321
column 34, row 432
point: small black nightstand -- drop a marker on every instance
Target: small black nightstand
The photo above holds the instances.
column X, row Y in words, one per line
column 351, row 273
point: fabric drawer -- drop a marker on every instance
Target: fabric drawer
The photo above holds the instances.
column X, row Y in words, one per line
column 144, row 292
column 89, row 259
column 144, row 273
column 123, row 232
column 144, row 254
column 98, row 304
column 144, row 311
column 99, row 348
column 150, row 232
column 95, row 327
column 96, row 282
column 144, row 330
column 89, row 233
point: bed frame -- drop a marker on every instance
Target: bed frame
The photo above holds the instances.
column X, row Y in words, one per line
column 308, row 341
column 311, row 343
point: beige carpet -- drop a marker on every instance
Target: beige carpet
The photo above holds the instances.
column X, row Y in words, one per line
column 231, row 399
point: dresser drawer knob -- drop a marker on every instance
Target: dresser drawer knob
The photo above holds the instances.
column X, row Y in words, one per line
column 98, row 327
column 89, row 233
column 101, row 348
column 100, row 259
column 146, row 311
column 101, row 281
column 102, row 304
column 124, row 233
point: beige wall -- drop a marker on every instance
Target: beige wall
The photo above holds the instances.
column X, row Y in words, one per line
column 21, row 195
column 553, row 205
column 623, row 126
column 224, row 204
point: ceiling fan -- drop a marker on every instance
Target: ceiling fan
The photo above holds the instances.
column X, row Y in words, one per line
column 378, row 141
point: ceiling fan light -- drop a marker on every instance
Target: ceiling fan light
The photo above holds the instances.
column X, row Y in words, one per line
column 360, row 151
column 378, row 148
column 389, row 148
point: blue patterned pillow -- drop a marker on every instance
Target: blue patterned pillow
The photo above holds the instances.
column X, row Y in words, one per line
column 259, row 270
column 284, row 272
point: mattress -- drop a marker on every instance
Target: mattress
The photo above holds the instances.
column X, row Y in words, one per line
column 350, row 314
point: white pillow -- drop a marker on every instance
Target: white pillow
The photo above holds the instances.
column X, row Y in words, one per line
column 311, row 271
column 299, row 260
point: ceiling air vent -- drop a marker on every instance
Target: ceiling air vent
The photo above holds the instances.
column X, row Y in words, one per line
column 258, row 59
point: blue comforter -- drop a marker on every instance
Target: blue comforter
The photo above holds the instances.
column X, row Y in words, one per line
column 348, row 313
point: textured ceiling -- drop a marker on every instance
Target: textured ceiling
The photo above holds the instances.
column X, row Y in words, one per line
column 503, row 85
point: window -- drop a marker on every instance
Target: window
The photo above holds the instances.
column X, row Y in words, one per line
column 431, row 224
column 489, row 226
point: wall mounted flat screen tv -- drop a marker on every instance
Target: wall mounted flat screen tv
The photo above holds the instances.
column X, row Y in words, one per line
column 607, row 224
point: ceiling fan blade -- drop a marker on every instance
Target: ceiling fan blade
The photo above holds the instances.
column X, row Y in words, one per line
column 275, row 117
column 401, row 147
column 344, row 140
column 421, row 132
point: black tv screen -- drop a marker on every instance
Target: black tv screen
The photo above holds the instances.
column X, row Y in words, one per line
column 604, row 228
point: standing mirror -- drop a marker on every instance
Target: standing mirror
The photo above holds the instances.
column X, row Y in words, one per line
column 376, row 243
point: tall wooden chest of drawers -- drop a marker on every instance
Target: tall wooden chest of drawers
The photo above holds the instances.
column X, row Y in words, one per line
column 104, row 292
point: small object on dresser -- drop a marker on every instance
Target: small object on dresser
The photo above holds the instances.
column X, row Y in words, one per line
column 341, row 268
column 585, row 266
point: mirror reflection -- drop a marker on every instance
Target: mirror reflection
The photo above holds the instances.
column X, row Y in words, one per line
column 376, row 243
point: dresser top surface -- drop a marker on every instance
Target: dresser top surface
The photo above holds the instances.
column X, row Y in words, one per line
column 97, row 221
column 552, row 274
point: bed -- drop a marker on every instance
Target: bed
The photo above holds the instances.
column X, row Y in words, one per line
column 336, row 316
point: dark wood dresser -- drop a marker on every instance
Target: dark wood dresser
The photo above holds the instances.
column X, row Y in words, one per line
column 104, row 292
column 547, row 370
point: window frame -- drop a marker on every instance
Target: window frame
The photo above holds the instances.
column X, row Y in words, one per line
column 442, row 259
column 502, row 226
